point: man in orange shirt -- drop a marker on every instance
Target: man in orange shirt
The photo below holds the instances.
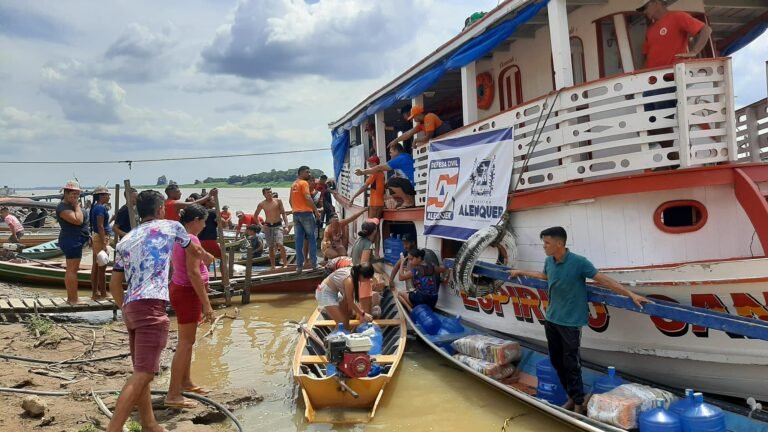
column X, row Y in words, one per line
column 377, row 183
column 428, row 123
column 305, row 216
column 666, row 40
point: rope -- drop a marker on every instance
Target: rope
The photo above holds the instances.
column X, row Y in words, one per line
column 195, row 396
column 130, row 162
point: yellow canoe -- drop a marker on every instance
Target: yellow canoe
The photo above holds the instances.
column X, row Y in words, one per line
column 324, row 398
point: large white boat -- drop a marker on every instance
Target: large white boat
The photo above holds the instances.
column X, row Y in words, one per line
column 670, row 200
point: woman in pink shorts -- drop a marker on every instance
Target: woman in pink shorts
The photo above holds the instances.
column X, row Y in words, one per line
column 189, row 299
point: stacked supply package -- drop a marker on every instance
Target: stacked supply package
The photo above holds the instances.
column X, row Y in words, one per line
column 622, row 406
column 488, row 355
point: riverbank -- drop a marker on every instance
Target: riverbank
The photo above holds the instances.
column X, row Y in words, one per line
column 104, row 364
column 222, row 185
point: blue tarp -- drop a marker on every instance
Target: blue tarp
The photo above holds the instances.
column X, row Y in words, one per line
column 421, row 83
column 745, row 40
column 339, row 147
column 381, row 104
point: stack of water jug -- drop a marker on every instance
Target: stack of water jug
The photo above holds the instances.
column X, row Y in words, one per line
column 393, row 248
column 690, row 414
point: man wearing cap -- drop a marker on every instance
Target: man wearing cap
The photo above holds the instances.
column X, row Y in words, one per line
column 226, row 217
column 173, row 204
column 377, row 183
column 666, row 40
column 402, row 183
column 100, row 233
column 245, row 220
column 428, row 123
column 73, row 236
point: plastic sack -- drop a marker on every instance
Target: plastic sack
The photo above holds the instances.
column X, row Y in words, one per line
column 491, row 370
column 622, row 406
column 488, row 348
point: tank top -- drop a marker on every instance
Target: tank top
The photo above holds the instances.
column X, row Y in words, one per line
column 335, row 281
column 171, row 213
column 179, row 260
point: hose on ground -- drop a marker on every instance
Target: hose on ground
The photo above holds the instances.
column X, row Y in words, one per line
column 195, row 396
column 34, row 360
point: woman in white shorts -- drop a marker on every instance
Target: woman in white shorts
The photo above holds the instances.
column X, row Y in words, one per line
column 339, row 294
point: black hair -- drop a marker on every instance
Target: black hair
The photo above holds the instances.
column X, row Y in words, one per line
column 148, row 202
column 361, row 270
column 97, row 197
column 416, row 252
column 255, row 228
column 302, row 168
column 367, row 229
column 555, row 232
column 192, row 213
column 399, row 147
column 195, row 196
column 409, row 238
column 5, row 209
column 323, row 177
column 274, row 194
column 266, row 189
column 128, row 192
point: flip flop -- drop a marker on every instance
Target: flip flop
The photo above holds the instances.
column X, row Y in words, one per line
column 198, row 390
column 185, row 404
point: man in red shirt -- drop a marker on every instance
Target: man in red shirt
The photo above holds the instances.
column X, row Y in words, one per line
column 666, row 40
column 246, row 220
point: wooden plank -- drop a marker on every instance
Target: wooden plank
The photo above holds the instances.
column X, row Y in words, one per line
column 60, row 302
column 4, row 305
column 29, row 303
column 380, row 359
column 380, row 323
column 45, row 303
column 17, row 303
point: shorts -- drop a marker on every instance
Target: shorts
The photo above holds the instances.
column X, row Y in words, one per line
column 186, row 304
column 325, row 296
column 416, row 298
column 274, row 235
column 97, row 245
column 212, row 247
column 148, row 326
column 72, row 248
column 18, row 235
column 376, row 211
column 402, row 183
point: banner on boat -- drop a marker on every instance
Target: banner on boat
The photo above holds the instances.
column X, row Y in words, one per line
column 468, row 183
column 356, row 160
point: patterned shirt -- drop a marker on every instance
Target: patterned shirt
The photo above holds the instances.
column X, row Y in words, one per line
column 425, row 279
column 144, row 254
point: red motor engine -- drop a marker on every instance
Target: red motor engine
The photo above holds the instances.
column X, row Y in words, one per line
column 355, row 364
column 349, row 355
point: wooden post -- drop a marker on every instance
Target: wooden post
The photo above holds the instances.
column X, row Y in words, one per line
column 131, row 209
column 248, row 274
column 117, row 209
column 231, row 262
column 222, row 245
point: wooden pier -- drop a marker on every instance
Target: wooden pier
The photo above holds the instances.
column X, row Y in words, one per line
column 30, row 305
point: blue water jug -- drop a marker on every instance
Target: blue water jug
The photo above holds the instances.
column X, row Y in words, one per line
column 377, row 339
column 660, row 420
column 549, row 387
column 608, row 382
column 681, row 406
column 330, row 369
column 392, row 249
column 703, row 417
column 452, row 325
column 426, row 319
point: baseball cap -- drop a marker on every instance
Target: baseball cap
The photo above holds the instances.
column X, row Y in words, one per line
column 72, row 185
column 416, row 110
column 239, row 212
column 374, row 159
column 641, row 5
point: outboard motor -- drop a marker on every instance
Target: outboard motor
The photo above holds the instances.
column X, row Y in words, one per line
column 349, row 353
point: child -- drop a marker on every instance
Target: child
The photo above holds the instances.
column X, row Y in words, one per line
column 253, row 237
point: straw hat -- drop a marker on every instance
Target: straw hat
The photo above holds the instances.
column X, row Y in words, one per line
column 72, row 185
column 101, row 190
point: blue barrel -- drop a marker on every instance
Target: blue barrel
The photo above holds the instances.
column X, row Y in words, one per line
column 549, row 387
column 377, row 339
column 703, row 417
column 608, row 382
column 660, row 420
column 426, row 319
column 393, row 247
column 681, row 406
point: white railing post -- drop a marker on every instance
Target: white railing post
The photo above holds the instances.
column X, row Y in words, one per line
column 684, row 143
column 730, row 113
column 561, row 43
column 469, row 93
column 381, row 136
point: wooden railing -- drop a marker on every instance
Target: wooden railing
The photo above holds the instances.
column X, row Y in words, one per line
column 617, row 125
column 752, row 131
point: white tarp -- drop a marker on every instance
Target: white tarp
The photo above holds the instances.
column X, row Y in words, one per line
column 468, row 183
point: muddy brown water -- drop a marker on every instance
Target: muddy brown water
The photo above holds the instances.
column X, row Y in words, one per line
column 255, row 352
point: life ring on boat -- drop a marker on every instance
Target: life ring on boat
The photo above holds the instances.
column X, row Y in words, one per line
column 494, row 236
column 484, row 82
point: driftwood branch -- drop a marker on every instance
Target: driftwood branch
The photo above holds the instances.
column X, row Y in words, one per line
column 48, row 373
column 219, row 318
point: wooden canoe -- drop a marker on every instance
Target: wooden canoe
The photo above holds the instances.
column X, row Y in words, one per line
column 738, row 418
column 323, row 399
column 31, row 238
column 43, row 251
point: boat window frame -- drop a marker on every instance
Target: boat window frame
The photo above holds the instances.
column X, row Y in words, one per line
column 657, row 215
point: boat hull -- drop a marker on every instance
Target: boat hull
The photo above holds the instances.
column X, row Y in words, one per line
column 656, row 349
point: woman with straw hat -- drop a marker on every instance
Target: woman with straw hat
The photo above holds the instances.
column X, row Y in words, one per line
column 73, row 236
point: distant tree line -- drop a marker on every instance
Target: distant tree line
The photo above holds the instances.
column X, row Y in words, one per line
column 273, row 176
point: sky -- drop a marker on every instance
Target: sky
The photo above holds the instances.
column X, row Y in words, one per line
column 138, row 79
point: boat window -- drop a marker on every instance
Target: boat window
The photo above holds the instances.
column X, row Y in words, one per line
column 681, row 216
column 608, row 47
column 510, row 87
column 577, row 61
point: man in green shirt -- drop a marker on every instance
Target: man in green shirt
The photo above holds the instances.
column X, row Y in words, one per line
column 568, row 310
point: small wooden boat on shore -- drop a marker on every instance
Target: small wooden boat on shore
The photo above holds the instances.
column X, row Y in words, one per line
column 325, row 398
column 43, row 251
column 33, row 238
column 738, row 417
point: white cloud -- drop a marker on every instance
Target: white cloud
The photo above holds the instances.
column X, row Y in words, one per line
column 749, row 71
